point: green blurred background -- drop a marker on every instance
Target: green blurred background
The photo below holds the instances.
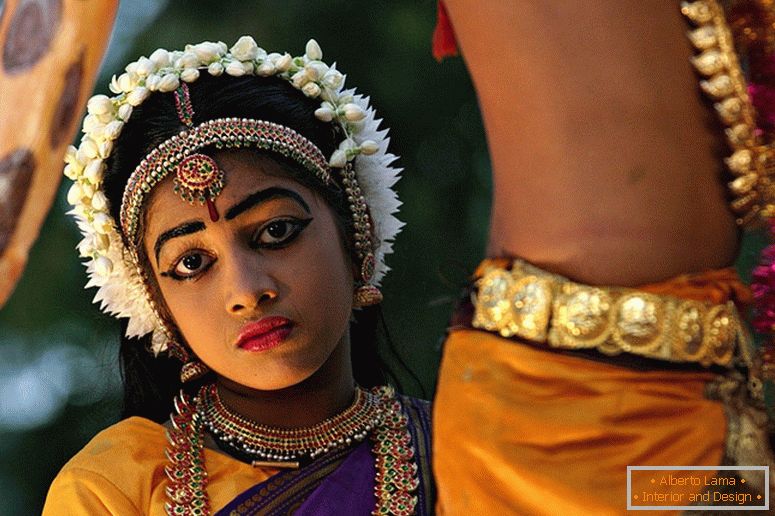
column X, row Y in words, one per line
column 59, row 382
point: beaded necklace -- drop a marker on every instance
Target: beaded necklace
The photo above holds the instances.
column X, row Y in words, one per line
column 259, row 443
column 377, row 413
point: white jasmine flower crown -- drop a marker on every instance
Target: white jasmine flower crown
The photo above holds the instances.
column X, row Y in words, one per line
column 362, row 157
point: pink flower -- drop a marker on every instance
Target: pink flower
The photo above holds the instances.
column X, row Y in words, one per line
column 763, row 100
column 763, row 289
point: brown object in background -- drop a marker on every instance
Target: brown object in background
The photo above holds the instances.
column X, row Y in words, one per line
column 50, row 52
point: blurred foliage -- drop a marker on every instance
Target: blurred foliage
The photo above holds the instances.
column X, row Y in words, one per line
column 431, row 110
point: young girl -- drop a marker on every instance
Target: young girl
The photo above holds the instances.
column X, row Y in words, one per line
column 237, row 208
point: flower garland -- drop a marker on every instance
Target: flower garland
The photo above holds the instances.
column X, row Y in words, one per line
column 753, row 24
column 763, row 288
column 121, row 287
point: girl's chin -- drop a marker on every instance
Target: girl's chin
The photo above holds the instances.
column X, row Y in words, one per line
column 271, row 381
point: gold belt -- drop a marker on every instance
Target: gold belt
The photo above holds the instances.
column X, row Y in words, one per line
column 533, row 304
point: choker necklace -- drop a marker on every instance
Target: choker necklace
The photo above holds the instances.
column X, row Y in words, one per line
column 376, row 413
column 278, row 447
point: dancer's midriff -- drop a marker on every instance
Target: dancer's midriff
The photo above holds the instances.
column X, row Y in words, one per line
column 606, row 159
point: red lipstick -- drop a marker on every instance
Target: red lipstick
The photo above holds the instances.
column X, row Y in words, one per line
column 264, row 334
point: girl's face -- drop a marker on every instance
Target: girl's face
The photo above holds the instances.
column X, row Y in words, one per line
column 263, row 296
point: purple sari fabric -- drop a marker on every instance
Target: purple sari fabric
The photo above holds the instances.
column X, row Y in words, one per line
column 343, row 491
column 289, row 491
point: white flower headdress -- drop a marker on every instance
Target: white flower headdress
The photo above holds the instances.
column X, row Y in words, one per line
column 362, row 156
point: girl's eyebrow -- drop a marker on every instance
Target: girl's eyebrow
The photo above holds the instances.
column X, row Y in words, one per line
column 184, row 229
column 263, row 196
column 244, row 205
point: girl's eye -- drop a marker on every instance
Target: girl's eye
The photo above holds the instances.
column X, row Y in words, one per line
column 279, row 232
column 190, row 266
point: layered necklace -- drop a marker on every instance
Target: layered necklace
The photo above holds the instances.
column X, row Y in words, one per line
column 278, row 447
column 377, row 414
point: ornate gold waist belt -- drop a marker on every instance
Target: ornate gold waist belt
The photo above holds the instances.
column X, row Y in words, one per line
column 536, row 305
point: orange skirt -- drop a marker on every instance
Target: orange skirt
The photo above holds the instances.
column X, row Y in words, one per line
column 522, row 430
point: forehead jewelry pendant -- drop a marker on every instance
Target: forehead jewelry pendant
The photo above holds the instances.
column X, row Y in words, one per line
column 198, row 179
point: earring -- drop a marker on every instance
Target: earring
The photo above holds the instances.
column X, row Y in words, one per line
column 193, row 370
column 366, row 295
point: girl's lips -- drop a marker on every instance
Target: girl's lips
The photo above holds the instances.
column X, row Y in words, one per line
column 264, row 334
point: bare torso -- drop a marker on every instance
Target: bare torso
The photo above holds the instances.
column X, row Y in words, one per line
column 606, row 161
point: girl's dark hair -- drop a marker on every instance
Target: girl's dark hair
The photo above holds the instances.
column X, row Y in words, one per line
column 150, row 383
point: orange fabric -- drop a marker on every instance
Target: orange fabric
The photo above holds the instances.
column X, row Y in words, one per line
column 520, row 430
column 121, row 471
column 712, row 286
